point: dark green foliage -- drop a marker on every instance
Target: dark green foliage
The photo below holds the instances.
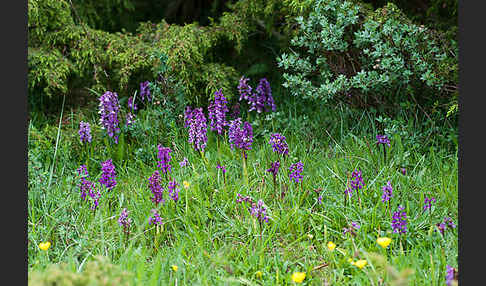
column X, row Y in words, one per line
column 107, row 15
column 381, row 58
column 371, row 57
column 48, row 69
column 102, row 61
column 189, row 57
column 436, row 14
column 125, row 15
column 46, row 16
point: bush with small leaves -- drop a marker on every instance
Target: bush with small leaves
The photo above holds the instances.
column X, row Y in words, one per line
column 343, row 50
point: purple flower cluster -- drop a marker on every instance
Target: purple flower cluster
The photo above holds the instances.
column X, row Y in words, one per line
column 82, row 171
column 156, row 188
column 155, row 218
column 259, row 211
column 196, row 122
column 108, row 110
column 256, row 209
column 404, row 171
column 382, row 139
column 84, row 185
column 351, row 229
column 261, row 100
column 108, row 175
column 223, row 168
column 279, row 144
column 129, row 119
column 217, row 112
column 95, row 196
column 451, row 274
column 184, row 162
column 296, row 171
column 274, row 166
column 164, row 158
column 349, row 192
column 88, row 188
column 399, row 221
column 124, row 220
column 241, row 138
column 447, row 222
column 240, row 198
column 131, row 104
column 357, row 180
column 428, row 203
column 441, row 226
column 187, row 116
column 84, row 132
column 145, row 91
column 244, row 88
column 257, row 101
column 387, row 192
column 173, row 190
column 356, row 183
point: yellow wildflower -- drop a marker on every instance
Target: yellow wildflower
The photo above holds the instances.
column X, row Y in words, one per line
column 384, row 241
column 175, row 267
column 186, row 184
column 350, row 260
column 331, row 245
column 45, row 245
column 258, row 274
column 298, row 277
column 361, row 263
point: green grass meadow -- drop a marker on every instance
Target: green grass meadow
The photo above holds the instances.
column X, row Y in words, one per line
column 212, row 239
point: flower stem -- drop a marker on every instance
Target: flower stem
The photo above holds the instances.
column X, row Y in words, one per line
column 384, row 154
column 274, row 184
column 217, row 143
column 245, row 172
column 204, row 158
column 359, row 199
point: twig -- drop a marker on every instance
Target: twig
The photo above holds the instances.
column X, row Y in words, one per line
column 325, row 264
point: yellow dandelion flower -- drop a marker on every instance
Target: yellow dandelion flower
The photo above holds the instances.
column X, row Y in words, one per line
column 384, row 241
column 331, row 245
column 298, row 277
column 186, row 184
column 361, row 263
column 175, row 267
column 350, row 260
column 259, row 274
column 45, row 245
